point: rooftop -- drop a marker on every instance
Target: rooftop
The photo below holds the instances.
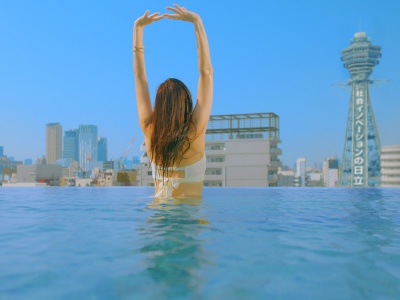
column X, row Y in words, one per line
column 243, row 126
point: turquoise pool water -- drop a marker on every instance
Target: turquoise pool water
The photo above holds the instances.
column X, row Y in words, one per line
column 253, row 243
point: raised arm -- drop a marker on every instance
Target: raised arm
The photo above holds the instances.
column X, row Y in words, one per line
column 142, row 88
column 202, row 110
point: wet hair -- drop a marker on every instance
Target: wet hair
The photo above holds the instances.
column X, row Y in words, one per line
column 171, row 122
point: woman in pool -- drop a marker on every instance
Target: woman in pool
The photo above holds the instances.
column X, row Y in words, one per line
column 174, row 132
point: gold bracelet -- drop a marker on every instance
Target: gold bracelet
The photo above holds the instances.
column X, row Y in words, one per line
column 138, row 49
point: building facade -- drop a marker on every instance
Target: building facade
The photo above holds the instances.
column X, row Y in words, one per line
column 242, row 150
column 390, row 166
column 51, row 174
column 8, row 167
column 53, row 142
column 300, row 180
column 71, row 145
column 361, row 154
column 102, row 154
column 144, row 173
column 286, row 177
column 87, row 140
column 331, row 172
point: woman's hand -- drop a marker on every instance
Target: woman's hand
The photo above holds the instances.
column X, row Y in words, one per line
column 182, row 14
column 147, row 19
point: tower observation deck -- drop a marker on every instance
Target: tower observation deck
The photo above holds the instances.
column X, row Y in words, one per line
column 361, row 154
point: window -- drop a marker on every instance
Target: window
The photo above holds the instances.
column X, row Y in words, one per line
column 213, row 183
column 215, row 147
column 215, row 158
column 214, row 171
column 390, row 153
column 250, row 136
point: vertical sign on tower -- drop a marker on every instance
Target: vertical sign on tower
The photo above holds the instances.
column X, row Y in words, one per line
column 358, row 167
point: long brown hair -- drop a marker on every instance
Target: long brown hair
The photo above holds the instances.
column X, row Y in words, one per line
column 171, row 122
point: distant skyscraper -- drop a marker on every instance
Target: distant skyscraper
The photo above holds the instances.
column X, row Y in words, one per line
column 87, row 139
column 28, row 161
column 53, row 142
column 331, row 171
column 102, row 150
column 71, row 145
column 301, row 172
column 1, row 151
column 361, row 154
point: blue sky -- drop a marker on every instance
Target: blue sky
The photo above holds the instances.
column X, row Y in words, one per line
column 71, row 62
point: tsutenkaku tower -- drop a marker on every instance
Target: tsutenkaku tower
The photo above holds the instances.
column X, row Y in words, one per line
column 361, row 155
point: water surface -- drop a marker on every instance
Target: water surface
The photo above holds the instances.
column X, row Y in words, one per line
column 254, row 243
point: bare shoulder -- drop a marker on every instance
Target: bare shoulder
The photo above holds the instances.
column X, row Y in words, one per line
column 197, row 133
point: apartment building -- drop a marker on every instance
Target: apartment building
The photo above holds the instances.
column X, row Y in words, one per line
column 390, row 166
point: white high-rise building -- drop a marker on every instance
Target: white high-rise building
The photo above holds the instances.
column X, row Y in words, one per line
column 301, row 172
column 242, row 150
column 390, row 166
column 53, row 142
column 331, row 172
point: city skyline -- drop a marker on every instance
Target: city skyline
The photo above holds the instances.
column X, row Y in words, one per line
column 79, row 56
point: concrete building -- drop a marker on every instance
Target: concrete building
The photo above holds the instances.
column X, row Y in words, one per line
column 111, row 165
column 126, row 178
column 53, row 142
column 390, row 166
column 41, row 161
column 70, row 168
column 331, row 172
column 144, row 174
column 83, row 182
column 50, row 174
column 286, row 177
column 7, row 167
column 301, row 172
column 105, row 179
column 241, row 150
column 314, row 177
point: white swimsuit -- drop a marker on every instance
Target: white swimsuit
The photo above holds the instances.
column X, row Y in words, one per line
column 193, row 173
